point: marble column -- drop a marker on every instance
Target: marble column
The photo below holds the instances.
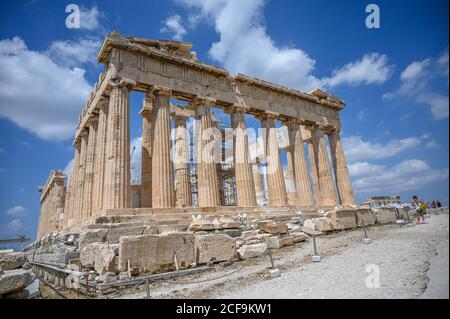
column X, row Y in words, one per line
column 245, row 185
column 182, row 167
column 259, row 187
column 90, row 165
column 303, row 189
column 72, row 186
column 146, row 159
column 289, row 177
column 163, row 192
column 117, row 185
column 324, row 174
column 78, row 201
column 100, row 157
column 315, row 178
column 208, row 190
column 274, row 170
column 343, row 182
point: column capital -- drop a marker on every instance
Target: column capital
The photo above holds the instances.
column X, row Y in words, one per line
column 147, row 105
column 93, row 118
column 202, row 101
column 161, row 91
column 268, row 115
column 236, row 108
column 122, row 82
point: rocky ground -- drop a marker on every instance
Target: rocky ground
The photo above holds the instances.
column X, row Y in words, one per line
column 412, row 262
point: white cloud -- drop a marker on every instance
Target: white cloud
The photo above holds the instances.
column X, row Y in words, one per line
column 432, row 144
column 17, row 211
column 38, row 94
column 356, row 149
column 416, row 81
column 174, row 26
column 12, row 228
column 89, row 18
column 244, row 46
column 72, row 53
column 373, row 68
column 408, row 175
column 69, row 167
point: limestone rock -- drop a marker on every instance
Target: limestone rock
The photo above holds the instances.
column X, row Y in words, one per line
column 232, row 232
column 151, row 252
column 384, row 215
column 249, row 233
column 309, row 223
column 15, row 280
column 342, row 219
column 276, row 242
column 114, row 234
column 100, row 256
column 250, row 251
column 323, row 224
column 272, row 227
column 366, row 216
column 92, row 236
column 217, row 247
column 167, row 229
column 299, row 237
column 12, row 260
column 201, row 224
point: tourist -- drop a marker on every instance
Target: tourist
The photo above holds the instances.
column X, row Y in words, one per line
column 420, row 209
column 438, row 203
column 433, row 204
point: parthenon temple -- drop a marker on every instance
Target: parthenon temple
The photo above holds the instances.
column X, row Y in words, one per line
column 178, row 177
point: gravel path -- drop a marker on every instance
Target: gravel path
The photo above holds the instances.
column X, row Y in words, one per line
column 406, row 258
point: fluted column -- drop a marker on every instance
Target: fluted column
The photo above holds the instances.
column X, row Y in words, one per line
column 325, row 178
column 89, row 173
column 117, row 186
column 182, row 167
column 303, row 189
column 289, row 177
column 71, row 189
column 343, row 182
column 259, row 187
column 208, row 191
column 163, row 192
column 274, row 170
column 100, row 161
column 81, row 169
column 245, row 185
column 146, row 157
column 313, row 159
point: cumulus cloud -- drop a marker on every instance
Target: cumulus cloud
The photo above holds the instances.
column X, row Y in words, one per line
column 416, row 84
column 17, row 211
column 408, row 175
column 72, row 53
column 12, row 228
column 37, row 93
column 90, row 18
column 244, row 46
column 173, row 25
column 357, row 149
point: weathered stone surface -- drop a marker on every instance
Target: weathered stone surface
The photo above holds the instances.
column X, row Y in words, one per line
column 92, row 236
column 100, row 256
column 272, row 227
column 299, row 237
column 366, row 216
column 342, row 219
column 309, row 223
column 217, row 247
column 167, row 229
column 201, row 224
column 14, row 280
column 250, row 251
column 151, row 252
column 249, row 233
column 323, row 224
column 23, row 294
column 115, row 233
column 384, row 215
column 232, row 232
column 12, row 260
column 276, row 242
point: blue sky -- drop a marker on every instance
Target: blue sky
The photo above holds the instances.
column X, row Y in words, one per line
column 394, row 80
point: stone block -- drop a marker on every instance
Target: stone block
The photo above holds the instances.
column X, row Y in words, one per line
column 148, row 253
column 385, row 215
column 249, row 233
column 232, row 232
column 299, row 237
column 12, row 260
column 251, row 251
column 309, row 223
column 217, row 247
column 342, row 219
column 272, row 227
column 276, row 242
column 114, row 234
column 167, row 229
column 366, row 216
column 92, row 236
column 323, row 224
column 201, row 224
column 100, row 256
column 15, row 280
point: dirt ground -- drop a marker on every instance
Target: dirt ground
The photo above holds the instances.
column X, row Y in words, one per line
column 403, row 261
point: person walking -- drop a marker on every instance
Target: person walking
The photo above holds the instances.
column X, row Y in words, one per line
column 420, row 208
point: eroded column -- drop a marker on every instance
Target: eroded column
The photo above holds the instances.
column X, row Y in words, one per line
column 78, row 200
column 117, row 186
column 163, row 192
column 100, row 161
column 208, row 191
column 245, row 186
column 146, row 159
column 325, row 177
column 259, row 187
column 303, row 189
column 182, row 167
column 72, row 187
column 343, row 182
column 274, row 170
column 90, row 173
column 289, row 177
